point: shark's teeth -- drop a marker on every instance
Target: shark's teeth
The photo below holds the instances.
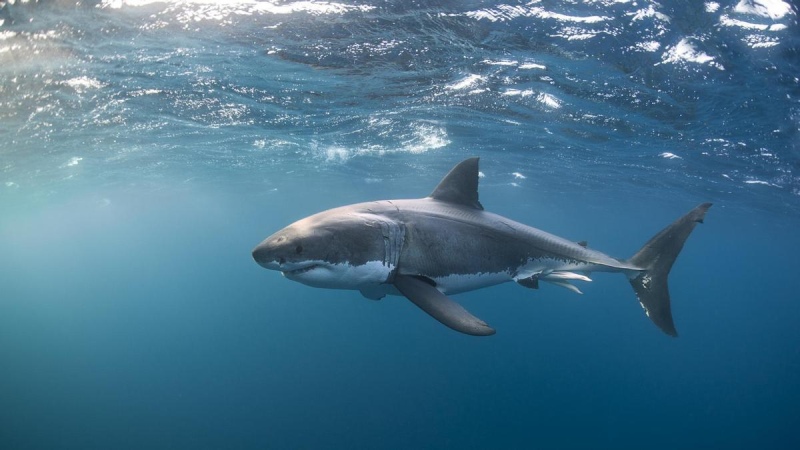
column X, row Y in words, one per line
column 301, row 269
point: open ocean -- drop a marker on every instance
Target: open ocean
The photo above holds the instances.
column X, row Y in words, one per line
column 147, row 146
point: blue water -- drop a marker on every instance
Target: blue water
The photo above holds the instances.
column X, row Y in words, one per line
column 146, row 147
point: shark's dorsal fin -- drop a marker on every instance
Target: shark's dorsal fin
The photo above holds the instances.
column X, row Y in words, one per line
column 460, row 185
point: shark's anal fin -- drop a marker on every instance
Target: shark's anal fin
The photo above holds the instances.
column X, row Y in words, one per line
column 441, row 307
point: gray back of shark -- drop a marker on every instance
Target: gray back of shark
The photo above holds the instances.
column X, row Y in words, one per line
column 425, row 249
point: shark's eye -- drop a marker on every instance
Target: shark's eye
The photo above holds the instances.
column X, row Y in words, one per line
column 299, row 249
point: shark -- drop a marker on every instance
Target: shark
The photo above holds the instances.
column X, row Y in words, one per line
column 429, row 248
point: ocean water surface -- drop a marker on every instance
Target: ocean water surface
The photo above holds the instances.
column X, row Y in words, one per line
column 147, row 146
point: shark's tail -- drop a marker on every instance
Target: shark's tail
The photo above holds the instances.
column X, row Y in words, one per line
column 656, row 258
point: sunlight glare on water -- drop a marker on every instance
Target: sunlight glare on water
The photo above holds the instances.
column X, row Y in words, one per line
column 332, row 81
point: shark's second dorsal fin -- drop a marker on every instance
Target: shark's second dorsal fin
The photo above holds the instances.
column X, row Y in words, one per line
column 460, row 185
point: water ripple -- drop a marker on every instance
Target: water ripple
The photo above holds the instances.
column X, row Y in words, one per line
column 702, row 95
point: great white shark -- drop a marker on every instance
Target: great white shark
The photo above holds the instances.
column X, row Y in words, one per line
column 426, row 249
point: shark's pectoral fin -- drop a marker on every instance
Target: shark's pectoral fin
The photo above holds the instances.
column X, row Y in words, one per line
column 441, row 307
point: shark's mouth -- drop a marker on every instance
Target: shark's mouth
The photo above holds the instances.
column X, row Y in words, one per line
column 301, row 270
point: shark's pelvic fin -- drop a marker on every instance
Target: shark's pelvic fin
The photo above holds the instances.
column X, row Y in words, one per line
column 440, row 307
column 460, row 185
column 656, row 258
column 531, row 282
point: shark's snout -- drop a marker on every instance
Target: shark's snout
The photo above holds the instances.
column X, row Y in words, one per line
column 265, row 257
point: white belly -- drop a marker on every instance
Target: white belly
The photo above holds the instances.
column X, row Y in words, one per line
column 343, row 275
column 454, row 284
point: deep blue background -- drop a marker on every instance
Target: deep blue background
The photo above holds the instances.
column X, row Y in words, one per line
column 131, row 313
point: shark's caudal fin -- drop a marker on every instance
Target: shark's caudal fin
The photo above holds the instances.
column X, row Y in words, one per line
column 656, row 258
